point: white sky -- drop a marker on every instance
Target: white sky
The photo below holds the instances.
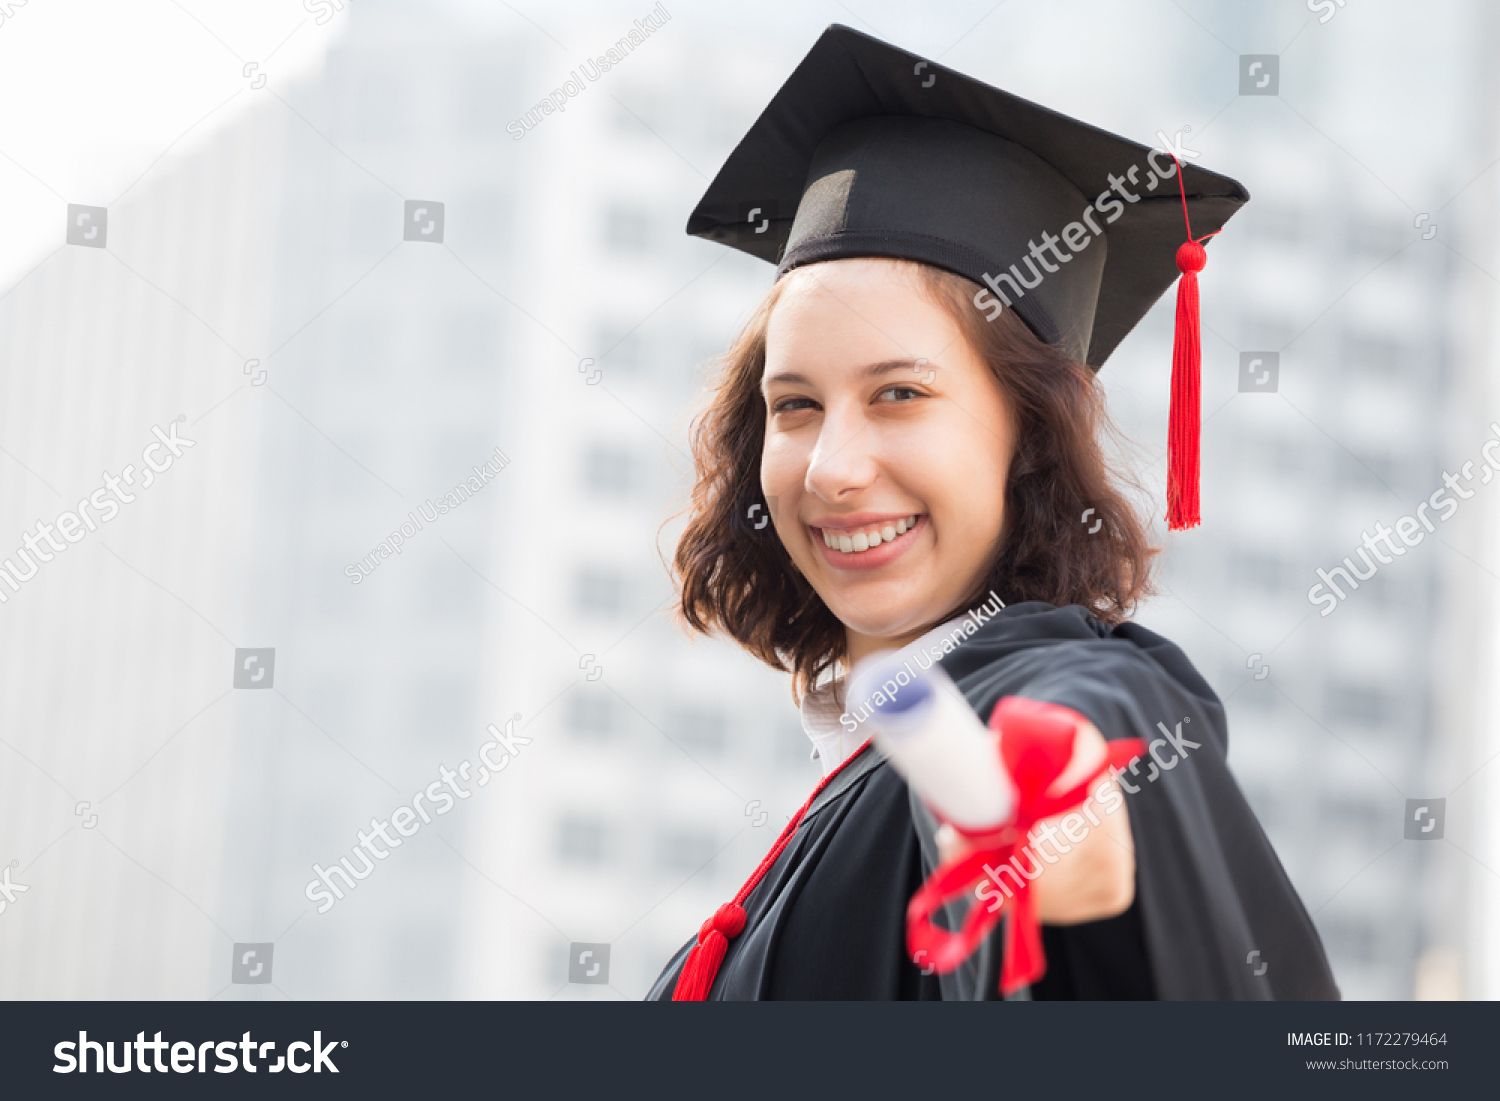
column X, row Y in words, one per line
column 96, row 90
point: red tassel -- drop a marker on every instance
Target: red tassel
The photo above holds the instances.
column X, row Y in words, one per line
column 702, row 964
column 1186, row 409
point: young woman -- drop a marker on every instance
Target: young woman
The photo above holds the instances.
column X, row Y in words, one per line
column 914, row 406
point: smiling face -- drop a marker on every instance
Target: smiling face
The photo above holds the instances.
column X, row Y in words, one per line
column 887, row 445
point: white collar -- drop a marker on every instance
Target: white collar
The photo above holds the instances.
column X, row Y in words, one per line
column 833, row 743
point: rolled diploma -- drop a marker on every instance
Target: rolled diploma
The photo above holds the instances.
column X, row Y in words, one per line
column 932, row 736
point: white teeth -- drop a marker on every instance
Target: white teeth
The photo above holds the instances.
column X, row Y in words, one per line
column 863, row 540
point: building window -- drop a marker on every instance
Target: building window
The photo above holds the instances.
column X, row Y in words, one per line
column 683, row 851
column 1366, row 818
column 1372, row 357
column 580, row 839
column 699, row 730
column 470, row 340
column 619, row 350
column 1263, row 573
column 1359, row 704
column 1378, row 239
column 1352, row 939
column 590, row 714
column 600, row 592
column 608, row 471
column 627, row 229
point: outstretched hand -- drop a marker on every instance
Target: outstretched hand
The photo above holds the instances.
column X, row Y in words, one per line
column 1087, row 879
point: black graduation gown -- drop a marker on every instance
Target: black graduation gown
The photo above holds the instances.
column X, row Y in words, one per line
column 828, row 919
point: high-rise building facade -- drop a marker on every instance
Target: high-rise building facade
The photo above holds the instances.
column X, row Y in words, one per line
column 439, row 379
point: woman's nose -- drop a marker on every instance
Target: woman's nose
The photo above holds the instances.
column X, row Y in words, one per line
column 843, row 460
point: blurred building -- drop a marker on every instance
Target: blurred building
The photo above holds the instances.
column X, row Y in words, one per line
column 555, row 310
column 1347, row 367
column 560, row 319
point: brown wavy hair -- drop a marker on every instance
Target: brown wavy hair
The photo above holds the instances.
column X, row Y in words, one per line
column 738, row 579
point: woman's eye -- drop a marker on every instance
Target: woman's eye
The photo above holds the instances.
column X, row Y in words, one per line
column 902, row 393
column 791, row 405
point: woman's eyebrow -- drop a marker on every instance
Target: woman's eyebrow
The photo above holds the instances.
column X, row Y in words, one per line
column 873, row 370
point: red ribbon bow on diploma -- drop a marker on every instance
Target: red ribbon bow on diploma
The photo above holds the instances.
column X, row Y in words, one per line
column 1036, row 743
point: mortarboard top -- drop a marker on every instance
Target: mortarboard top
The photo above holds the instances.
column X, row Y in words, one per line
column 868, row 150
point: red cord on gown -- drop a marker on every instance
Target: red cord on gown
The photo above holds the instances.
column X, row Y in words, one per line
column 702, row 964
column 1036, row 743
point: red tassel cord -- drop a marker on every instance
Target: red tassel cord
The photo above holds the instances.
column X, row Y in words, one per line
column 1186, row 409
column 702, row 964
column 1183, row 420
column 1036, row 743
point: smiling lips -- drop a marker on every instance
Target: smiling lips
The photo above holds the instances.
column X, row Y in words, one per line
column 859, row 540
column 870, row 546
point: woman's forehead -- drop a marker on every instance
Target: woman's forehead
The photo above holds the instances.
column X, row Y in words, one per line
column 853, row 310
column 865, row 274
column 852, row 315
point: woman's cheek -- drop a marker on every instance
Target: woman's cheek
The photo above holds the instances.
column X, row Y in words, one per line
column 783, row 464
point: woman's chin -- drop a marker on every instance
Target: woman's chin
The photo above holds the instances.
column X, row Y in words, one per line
column 897, row 620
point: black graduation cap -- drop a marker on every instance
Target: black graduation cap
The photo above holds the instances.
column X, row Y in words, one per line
column 868, row 150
